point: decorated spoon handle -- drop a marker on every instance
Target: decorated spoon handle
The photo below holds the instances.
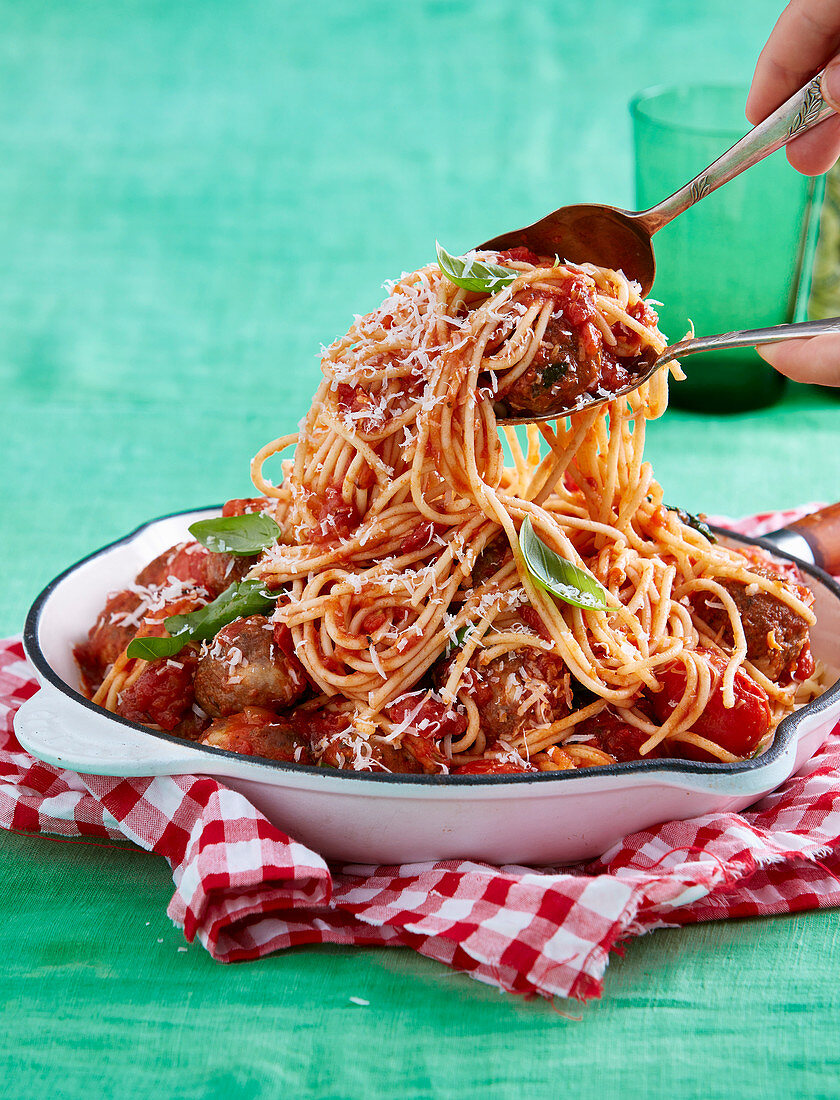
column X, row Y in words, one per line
column 814, row 538
column 805, row 109
column 749, row 338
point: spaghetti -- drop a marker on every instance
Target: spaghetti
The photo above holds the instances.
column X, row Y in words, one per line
column 403, row 593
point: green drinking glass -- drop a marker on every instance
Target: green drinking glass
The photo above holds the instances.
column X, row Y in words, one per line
column 740, row 258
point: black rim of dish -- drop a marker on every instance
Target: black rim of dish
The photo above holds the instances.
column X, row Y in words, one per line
column 785, row 732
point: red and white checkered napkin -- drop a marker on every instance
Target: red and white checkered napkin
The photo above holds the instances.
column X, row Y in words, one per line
column 245, row 889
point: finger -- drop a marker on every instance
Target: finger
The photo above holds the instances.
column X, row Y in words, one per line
column 816, row 151
column 806, row 35
column 815, row 360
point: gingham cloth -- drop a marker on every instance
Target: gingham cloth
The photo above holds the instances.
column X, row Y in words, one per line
column 245, row 889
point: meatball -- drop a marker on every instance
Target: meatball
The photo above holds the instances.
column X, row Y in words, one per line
column 342, row 750
column 561, row 371
column 776, row 635
column 114, row 628
column 192, row 725
column 162, row 695
column 226, row 569
column 186, row 562
column 193, row 563
column 515, row 692
column 243, row 667
column 256, row 731
column 135, row 611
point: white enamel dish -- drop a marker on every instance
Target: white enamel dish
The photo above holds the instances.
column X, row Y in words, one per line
column 533, row 818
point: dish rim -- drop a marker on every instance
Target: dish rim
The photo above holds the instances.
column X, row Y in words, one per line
column 785, row 731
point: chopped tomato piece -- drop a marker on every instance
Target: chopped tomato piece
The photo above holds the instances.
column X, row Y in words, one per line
column 804, row 667
column 611, row 735
column 240, row 506
column 419, row 538
column 163, row 693
column 493, row 767
column 432, row 719
column 336, row 517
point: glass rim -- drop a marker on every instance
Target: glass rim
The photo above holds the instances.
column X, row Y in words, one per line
column 636, row 107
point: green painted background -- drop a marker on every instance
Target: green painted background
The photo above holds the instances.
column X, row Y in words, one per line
column 193, row 196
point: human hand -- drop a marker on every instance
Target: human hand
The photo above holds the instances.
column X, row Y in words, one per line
column 805, row 38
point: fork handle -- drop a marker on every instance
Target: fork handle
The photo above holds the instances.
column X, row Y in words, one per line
column 804, row 110
column 750, row 338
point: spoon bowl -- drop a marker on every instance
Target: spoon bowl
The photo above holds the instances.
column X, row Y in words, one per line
column 589, row 233
column 621, row 239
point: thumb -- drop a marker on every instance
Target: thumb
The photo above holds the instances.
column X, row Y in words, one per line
column 814, row 360
column 830, row 84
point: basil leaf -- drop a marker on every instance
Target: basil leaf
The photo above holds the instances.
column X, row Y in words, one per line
column 460, row 637
column 471, row 274
column 242, row 536
column 553, row 373
column 558, row 576
column 249, row 597
column 693, row 521
column 151, row 649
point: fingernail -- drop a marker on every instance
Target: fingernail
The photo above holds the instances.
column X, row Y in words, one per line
column 830, row 84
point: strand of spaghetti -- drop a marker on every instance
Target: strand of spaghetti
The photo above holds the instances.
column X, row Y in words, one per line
column 739, row 651
column 261, row 457
column 469, row 646
column 473, row 730
column 581, row 426
column 539, row 739
column 704, row 743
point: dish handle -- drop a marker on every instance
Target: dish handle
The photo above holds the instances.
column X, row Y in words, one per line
column 60, row 732
column 814, row 538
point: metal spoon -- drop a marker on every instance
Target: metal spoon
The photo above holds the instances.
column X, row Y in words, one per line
column 744, row 338
column 610, row 237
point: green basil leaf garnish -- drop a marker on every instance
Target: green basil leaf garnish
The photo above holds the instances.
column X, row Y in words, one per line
column 151, row 649
column 471, row 274
column 558, row 576
column 248, row 597
column 460, row 637
column 693, row 521
column 553, row 373
column 242, row 536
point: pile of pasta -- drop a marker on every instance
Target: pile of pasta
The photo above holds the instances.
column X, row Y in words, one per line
column 401, row 453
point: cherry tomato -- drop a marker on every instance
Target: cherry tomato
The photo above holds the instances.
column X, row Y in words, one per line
column 737, row 729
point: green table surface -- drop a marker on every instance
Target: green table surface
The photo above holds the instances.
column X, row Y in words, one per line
column 193, row 196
